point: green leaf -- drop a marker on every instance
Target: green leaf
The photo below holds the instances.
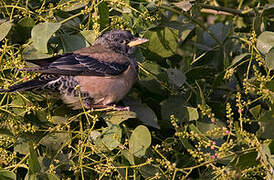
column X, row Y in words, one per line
column 59, row 120
column 174, row 105
column 103, row 14
column 34, row 165
column 192, row 113
column 55, row 141
column 265, row 41
column 89, row 35
column 200, row 72
column 139, row 141
column 30, row 53
column 5, row 29
column 23, row 29
column 148, row 171
column 267, row 125
column 128, row 155
column 269, row 58
column 72, row 5
column 117, row 117
column 71, row 43
column 266, row 158
column 208, row 126
column 270, row 85
column 7, row 175
column 163, row 42
column 246, row 160
column 256, row 111
column 96, row 138
column 51, row 176
column 219, row 30
column 186, row 32
column 4, row 131
column 176, row 77
column 144, row 112
column 20, row 102
column 41, row 33
column 240, row 58
column 22, row 146
column 148, row 80
column 112, row 136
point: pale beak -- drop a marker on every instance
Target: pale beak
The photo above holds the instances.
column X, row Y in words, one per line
column 137, row 41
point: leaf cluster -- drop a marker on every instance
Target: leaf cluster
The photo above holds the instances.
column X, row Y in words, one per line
column 202, row 108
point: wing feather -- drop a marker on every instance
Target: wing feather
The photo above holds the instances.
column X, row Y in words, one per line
column 109, row 63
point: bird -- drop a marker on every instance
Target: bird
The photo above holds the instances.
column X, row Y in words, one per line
column 93, row 77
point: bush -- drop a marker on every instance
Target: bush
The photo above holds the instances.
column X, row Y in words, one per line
column 202, row 108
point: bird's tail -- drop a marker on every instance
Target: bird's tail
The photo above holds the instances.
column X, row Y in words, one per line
column 24, row 86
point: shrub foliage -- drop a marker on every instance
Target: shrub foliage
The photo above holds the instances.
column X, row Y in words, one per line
column 202, row 108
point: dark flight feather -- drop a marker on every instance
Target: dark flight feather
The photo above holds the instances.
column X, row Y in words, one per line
column 76, row 64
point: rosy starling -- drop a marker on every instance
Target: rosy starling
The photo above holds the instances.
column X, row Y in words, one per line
column 104, row 72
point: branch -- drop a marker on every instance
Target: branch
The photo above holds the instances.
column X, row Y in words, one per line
column 225, row 10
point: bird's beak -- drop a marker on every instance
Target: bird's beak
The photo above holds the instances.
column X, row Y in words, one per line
column 137, row 41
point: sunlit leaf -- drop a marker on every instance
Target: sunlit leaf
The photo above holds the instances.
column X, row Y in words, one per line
column 269, row 58
column 41, row 33
column 186, row 32
column 7, row 175
column 22, row 146
column 163, row 42
column 265, row 41
column 32, row 53
column 128, row 155
column 112, row 136
column 117, row 117
column 89, row 35
column 68, row 5
column 266, row 157
column 192, row 113
column 5, row 29
column 139, row 141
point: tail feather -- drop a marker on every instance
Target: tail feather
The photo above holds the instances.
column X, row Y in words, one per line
column 29, row 85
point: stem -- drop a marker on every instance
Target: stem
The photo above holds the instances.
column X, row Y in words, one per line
column 71, row 17
column 227, row 10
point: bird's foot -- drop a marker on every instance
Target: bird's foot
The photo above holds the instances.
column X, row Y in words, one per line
column 109, row 107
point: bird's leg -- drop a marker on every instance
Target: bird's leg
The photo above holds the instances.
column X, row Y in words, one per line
column 110, row 107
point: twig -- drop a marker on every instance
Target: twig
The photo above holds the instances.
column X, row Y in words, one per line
column 230, row 11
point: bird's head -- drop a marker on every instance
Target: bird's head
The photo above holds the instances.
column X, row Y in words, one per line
column 120, row 41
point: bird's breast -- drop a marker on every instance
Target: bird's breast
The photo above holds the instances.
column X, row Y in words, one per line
column 108, row 89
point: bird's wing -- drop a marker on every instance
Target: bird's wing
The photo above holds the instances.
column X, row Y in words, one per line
column 87, row 62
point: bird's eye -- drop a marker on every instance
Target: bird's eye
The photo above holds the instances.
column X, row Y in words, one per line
column 123, row 41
